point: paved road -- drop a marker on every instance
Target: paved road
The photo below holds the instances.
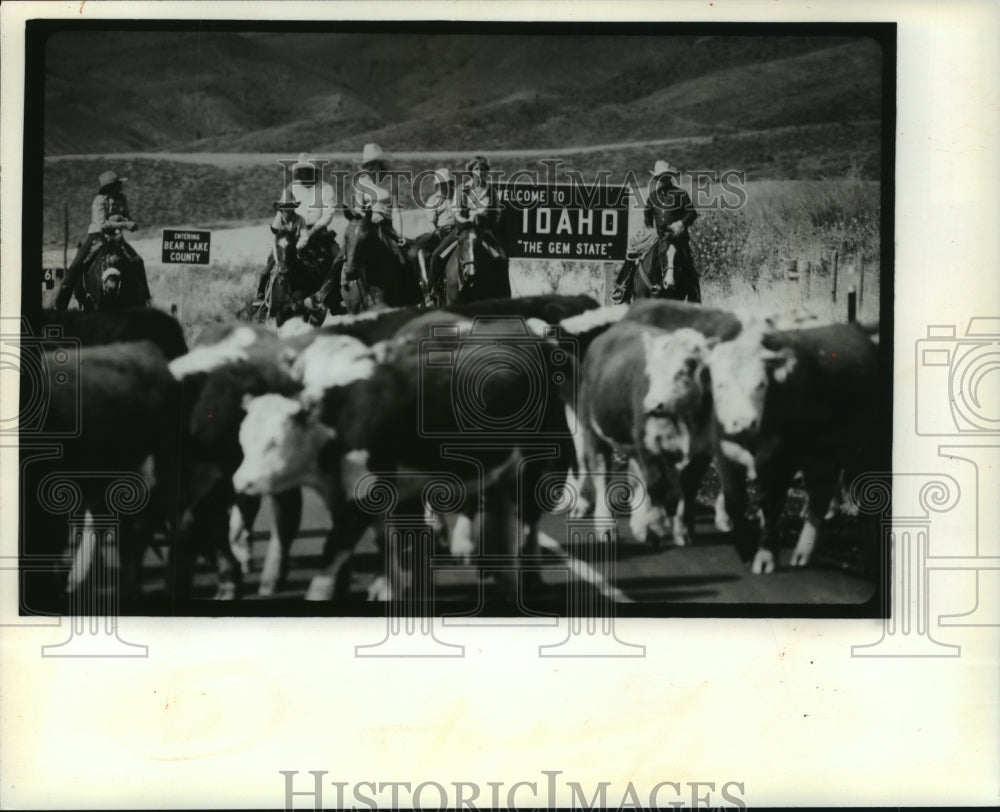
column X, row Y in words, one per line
column 709, row 572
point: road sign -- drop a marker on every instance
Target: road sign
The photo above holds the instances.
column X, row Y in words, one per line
column 564, row 221
column 186, row 247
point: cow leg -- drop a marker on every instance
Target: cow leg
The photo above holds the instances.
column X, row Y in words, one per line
column 132, row 545
column 690, row 478
column 722, row 521
column 662, row 493
column 639, row 503
column 83, row 556
column 241, row 519
column 582, row 487
column 774, row 479
column 821, row 483
column 285, row 520
column 393, row 583
column 502, row 535
column 733, row 500
column 230, row 574
column 334, row 577
column 461, row 543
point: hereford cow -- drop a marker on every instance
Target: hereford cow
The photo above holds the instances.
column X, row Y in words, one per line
column 645, row 393
column 666, row 316
column 388, row 410
column 788, row 401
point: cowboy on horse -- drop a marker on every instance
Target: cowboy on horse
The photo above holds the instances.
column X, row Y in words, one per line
column 109, row 215
column 664, row 247
column 441, row 213
column 316, row 239
column 372, row 197
column 476, row 204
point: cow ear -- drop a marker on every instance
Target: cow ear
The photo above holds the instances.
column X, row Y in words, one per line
column 786, row 364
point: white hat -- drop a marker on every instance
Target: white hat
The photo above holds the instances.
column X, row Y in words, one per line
column 443, row 176
column 663, row 168
column 373, row 152
column 108, row 177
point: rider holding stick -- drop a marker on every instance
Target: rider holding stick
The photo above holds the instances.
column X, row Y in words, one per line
column 109, row 213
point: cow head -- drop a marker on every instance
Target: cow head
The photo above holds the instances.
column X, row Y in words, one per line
column 281, row 439
column 741, row 371
column 677, row 385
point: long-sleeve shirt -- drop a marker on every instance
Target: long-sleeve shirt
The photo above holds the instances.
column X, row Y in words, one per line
column 441, row 211
column 317, row 210
column 105, row 210
column 474, row 199
column 667, row 205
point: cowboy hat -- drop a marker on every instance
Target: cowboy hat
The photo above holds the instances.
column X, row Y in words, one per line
column 479, row 159
column 108, row 177
column 373, row 152
column 287, row 202
column 663, row 168
column 304, row 170
column 443, row 177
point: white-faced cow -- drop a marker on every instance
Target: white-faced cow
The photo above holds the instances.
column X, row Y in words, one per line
column 645, row 393
column 788, row 401
column 667, row 317
column 382, row 427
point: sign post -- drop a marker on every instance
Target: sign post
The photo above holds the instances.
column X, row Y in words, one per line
column 186, row 247
column 564, row 221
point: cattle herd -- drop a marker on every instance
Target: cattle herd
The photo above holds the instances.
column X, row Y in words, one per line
column 477, row 421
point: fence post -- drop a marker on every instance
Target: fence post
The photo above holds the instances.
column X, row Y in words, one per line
column 836, row 256
column 861, row 280
column 805, row 281
column 65, row 235
column 610, row 273
column 852, row 305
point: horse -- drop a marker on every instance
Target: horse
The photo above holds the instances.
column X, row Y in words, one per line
column 109, row 280
column 294, row 276
column 374, row 276
column 681, row 286
column 472, row 272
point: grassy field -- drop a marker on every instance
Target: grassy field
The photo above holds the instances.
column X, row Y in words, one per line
column 740, row 255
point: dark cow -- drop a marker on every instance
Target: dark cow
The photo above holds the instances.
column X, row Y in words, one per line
column 788, row 401
column 115, row 410
column 356, row 431
column 112, row 326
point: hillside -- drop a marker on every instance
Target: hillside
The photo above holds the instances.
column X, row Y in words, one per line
column 244, row 92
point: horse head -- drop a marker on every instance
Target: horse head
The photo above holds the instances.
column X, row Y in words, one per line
column 284, row 252
column 468, row 243
column 357, row 235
